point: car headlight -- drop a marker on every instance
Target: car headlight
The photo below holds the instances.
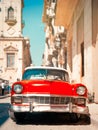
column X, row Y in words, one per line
column 18, row 88
column 81, row 90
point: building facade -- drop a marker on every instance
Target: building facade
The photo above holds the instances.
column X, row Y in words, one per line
column 14, row 48
column 80, row 18
column 55, row 49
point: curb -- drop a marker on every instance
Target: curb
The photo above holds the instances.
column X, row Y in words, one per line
column 96, row 102
column 5, row 96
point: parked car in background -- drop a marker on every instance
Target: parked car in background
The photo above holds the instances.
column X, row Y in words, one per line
column 5, row 88
column 48, row 89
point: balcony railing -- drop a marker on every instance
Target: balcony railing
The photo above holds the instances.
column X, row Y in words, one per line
column 10, row 21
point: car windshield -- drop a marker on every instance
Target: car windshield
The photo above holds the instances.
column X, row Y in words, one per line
column 49, row 74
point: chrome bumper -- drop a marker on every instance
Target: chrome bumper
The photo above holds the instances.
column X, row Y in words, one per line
column 70, row 108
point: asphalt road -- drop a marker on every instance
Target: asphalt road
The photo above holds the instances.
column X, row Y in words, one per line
column 46, row 121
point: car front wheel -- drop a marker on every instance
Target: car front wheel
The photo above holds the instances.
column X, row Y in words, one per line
column 19, row 116
column 74, row 118
column 11, row 115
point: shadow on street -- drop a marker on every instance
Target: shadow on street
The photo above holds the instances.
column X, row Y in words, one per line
column 4, row 112
column 51, row 119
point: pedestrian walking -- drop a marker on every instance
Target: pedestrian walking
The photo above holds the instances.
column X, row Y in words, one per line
column 3, row 87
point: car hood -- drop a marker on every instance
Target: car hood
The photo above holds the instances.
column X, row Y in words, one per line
column 46, row 87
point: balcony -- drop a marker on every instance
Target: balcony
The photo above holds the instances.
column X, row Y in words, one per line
column 10, row 21
column 50, row 12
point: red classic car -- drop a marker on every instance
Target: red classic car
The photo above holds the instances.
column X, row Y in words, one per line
column 47, row 89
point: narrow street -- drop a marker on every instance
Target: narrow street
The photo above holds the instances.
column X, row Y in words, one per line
column 47, row 123
column 49, row 64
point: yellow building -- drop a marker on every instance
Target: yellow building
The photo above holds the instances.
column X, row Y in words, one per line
column 80, row 18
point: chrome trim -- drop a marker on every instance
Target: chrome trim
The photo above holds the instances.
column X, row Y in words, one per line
column 50, row 108
column 70, row 107
column 46, row 100
column 47, row 95
column 45, row 67
column 30, row 95
column 48, row 103
column 49, row 99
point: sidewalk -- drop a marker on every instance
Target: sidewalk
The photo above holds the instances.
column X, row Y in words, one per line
column 4, row 96
column 93, row 108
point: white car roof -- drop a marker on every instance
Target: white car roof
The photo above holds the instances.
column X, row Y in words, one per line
column 45, row 67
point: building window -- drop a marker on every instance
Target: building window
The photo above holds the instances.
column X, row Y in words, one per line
column 0, row 9
column 80, row 41
column 10, row 60
column 10, row 13
column 82, row 59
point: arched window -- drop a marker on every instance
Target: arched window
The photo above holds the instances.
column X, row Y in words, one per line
column 10, row 13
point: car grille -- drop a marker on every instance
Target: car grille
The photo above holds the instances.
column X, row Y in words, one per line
column 46, row 100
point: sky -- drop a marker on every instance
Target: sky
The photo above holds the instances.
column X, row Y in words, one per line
column 34, row 28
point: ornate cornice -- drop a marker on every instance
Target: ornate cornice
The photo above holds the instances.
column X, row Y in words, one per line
column 12, row 38
column 10, row 48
